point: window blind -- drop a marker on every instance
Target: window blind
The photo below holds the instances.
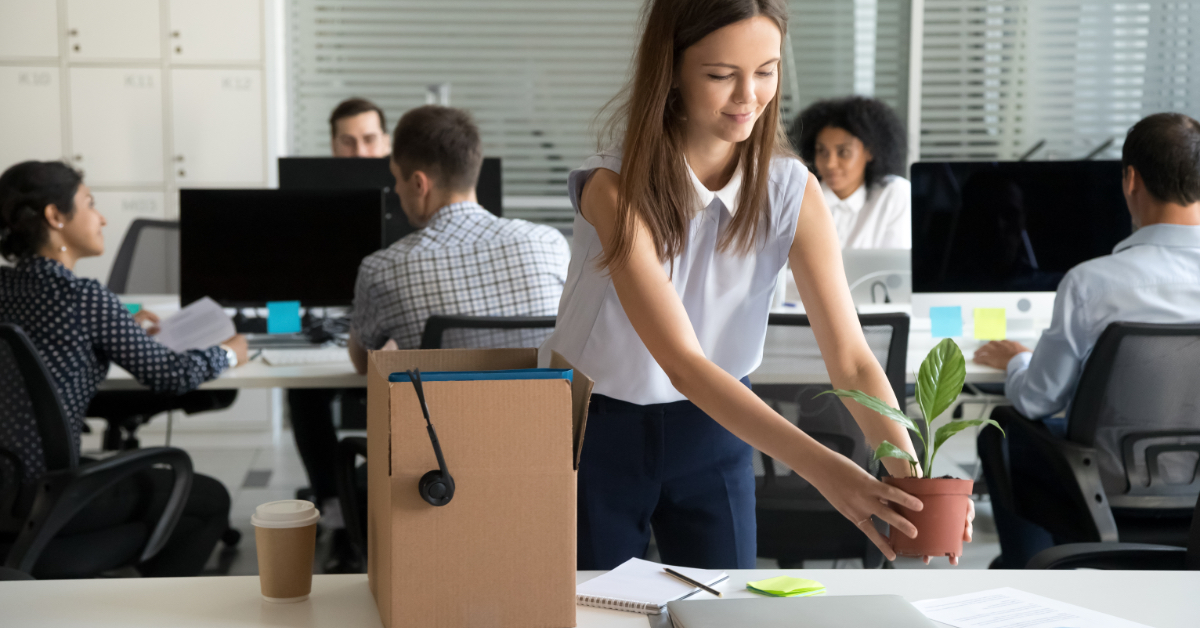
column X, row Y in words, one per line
column 1001, row 76
column 534, row 73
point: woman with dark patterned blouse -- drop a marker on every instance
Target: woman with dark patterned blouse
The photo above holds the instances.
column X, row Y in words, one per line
column 48, row 221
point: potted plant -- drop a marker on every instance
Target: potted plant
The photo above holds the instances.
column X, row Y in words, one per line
column 940, row 523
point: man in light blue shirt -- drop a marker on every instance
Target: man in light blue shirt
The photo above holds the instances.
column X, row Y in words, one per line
column 1153, row 276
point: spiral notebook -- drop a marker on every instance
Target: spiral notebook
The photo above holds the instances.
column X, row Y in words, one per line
column 641, row 586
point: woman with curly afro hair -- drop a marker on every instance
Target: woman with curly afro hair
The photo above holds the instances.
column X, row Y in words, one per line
column 857, row 147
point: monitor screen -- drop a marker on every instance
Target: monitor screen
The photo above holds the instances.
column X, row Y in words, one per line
column 1012, row 226
column 341, row 173
column 244, row 248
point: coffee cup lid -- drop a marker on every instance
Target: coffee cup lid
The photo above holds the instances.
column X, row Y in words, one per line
column 285, row 513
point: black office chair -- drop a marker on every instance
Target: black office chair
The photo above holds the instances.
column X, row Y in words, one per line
column 1127, row 469
column 148, row 260
column 43, row 484
column 350, row 482
column 147, row 263
column 485, row 331
column 795, row 522
column 1125, row 556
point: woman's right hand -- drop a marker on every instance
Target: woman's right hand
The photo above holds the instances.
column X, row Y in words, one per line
column 240, row 347
column 858, row 496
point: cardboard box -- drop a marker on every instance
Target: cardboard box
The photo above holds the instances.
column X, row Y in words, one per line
column 502, row 552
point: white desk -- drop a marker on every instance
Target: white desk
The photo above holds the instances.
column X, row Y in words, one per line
column 783, row 363
column 1159, row 599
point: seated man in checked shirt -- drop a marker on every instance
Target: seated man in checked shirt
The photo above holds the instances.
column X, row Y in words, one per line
column 462, row 260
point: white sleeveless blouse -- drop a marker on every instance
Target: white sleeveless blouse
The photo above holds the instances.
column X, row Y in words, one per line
column 727, row 296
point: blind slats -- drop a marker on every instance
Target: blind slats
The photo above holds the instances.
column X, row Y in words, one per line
column 535, row 73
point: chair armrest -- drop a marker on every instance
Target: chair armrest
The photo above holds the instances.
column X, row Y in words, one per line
column 62, row 494
column 1121, row 556
column 348, row 450
column 1067, row 459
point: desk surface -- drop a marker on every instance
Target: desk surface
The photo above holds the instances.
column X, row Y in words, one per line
column 796, row 361
column 1159, row 599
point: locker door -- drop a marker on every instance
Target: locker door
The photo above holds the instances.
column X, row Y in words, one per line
column 28, row 28
column 116, row 125
column 113, row 29
column 119, row 208
column 30, row 115
column 215, row 30
column 218, row 127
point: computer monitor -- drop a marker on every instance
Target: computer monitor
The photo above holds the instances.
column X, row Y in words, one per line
column 244, row 248
column 1003, row 234
column 341, row 173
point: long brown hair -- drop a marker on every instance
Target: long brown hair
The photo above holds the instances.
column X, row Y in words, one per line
column 654, row 182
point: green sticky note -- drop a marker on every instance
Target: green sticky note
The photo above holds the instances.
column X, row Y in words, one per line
column 990, row 323
column 786, row 586
column 133, row 308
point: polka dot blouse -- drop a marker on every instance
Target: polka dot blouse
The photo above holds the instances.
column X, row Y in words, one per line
column 79, row 327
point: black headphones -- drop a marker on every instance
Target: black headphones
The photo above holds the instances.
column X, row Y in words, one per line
column 436, row 487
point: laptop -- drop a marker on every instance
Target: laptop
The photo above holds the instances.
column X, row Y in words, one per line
column 809, row 612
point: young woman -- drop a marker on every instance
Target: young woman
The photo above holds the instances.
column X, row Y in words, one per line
column 858, row 148
column 48, row 221
column 679, row 237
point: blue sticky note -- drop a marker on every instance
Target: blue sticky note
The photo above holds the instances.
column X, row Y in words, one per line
column 947, row 321
column 133, row 308
column 283, row 317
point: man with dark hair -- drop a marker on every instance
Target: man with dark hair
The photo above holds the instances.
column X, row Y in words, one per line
column 1153, row 276
column 462, row 260
column 357, row 128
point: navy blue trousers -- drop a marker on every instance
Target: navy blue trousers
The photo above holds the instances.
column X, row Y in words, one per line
column 670, row 468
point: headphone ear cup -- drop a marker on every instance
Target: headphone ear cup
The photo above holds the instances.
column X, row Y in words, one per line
column 436, row 488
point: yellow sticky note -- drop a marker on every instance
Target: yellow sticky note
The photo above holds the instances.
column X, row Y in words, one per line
column 786, row 586
column 990, row 323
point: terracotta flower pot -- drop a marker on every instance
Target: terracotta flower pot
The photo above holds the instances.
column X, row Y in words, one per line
column 940, row 525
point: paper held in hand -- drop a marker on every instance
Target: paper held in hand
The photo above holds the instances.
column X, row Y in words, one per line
column 200, row 325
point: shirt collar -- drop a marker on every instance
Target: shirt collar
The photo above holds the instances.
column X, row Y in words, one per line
column 1162, row 235
column 854, row 203
column 38, row 262
column 728, row 194
column 449, row 213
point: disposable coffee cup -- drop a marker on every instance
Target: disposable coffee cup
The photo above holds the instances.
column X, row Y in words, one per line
column 286, row 534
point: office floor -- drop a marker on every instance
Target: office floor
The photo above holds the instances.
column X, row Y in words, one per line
column 257, row 468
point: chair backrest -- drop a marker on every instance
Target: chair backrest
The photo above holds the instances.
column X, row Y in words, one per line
column 791, row 346
column 1138, row 405
column 148, row 260
column 486, row 332
column 35, row 434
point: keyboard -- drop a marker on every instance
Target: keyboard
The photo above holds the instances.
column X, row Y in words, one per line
column 299, row 357
column 279, row 341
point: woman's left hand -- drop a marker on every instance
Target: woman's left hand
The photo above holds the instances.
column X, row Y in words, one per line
column 967, row 532
column 146, row 316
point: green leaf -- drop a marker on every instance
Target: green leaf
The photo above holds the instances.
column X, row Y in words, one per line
column 876, row 404
column 950, row 429
column 888, row 450
column 940, row 380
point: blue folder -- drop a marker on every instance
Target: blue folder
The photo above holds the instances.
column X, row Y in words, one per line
column 473, row 376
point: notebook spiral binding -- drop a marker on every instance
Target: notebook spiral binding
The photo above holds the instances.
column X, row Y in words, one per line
column 618, row 605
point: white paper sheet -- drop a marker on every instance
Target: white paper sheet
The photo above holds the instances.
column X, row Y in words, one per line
column 197, row 326
column 1012, row 608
